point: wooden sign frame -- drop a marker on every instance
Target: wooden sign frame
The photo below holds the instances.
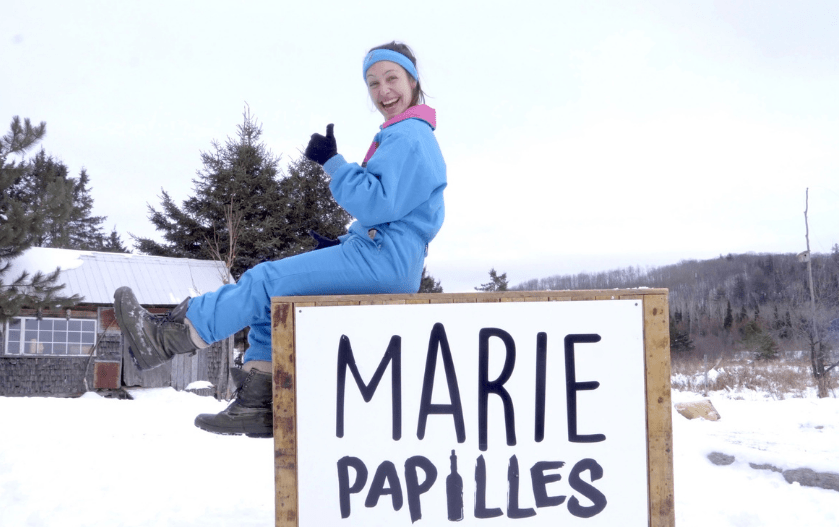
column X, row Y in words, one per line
column 657, row 382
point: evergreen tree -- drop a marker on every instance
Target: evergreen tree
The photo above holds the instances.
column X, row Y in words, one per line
column 45, row 184
column 309, row 206
column 82, row 230
column 244, row 211
column 742, row 316
column 496, row 283
column 739, row 291
column 760, row 342
column 428, row 284
column 113, row 244
column 787, row 331
column 680, row 340
column 778, row 324
column 22, row 225
column 45, row 192
column 729, row 318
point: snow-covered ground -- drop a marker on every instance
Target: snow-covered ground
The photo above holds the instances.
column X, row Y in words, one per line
column 788, row 434
column 97, row 462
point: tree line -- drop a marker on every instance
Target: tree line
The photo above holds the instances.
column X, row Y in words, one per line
column 759, row 303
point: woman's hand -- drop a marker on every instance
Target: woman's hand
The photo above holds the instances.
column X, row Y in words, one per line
column 321, row 149
column 322, row 242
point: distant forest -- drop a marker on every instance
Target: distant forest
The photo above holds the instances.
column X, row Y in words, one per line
column 757, row 303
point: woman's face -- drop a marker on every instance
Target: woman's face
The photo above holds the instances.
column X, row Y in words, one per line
column 391, row 88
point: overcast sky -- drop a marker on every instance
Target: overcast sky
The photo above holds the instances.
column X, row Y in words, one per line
column 578, row 136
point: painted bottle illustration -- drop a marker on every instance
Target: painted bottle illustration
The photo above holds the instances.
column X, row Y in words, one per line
column 454, row 491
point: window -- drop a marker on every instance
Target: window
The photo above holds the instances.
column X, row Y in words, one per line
column 50, row 336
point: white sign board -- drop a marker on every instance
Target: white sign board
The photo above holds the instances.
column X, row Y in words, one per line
column 504, row 413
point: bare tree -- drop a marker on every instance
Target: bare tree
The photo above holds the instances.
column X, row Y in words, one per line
column 233, row 219
column 817, row 351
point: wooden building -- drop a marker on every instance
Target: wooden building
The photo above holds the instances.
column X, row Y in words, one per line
column 68, row 352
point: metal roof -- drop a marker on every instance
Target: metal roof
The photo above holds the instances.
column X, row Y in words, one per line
column 95, row 276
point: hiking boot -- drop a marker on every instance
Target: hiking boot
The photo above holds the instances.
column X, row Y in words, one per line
column 250, row 413
column 152, row 339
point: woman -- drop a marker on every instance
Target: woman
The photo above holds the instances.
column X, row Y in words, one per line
column 396, row 196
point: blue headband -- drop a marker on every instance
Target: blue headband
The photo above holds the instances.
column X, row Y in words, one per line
column 378, row 55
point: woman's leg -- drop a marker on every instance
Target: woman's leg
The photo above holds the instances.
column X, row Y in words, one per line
column 356, row 266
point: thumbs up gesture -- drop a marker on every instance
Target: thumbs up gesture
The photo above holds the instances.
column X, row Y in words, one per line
column 321, row 148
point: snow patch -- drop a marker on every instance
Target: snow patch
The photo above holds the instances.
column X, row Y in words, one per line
column 199, row 385
column 45, row 260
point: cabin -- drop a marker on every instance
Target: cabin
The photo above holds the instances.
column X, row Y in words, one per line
column 67, row 352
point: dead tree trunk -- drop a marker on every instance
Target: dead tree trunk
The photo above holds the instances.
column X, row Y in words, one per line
column 816, row 348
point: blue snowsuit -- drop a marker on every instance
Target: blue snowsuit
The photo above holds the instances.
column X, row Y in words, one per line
column 399, row 194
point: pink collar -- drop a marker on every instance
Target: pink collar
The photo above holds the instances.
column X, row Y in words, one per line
column 420, row 111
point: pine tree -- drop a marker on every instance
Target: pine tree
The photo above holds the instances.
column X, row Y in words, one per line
column 82, row 230
column 47, row 187
column 787, row 331
column 19, row 225
column 243, row 210
column 739, row 291
column 22, row 225
column 742, row 316
column 45, row 192
column 729, row 318
column 497, row 282
column 309, row 206
column 428, row 284
column 113, row 244
column 759, row 341
column 680, row 340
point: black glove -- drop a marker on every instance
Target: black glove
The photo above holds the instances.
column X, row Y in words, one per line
column 321, row 148
column 322, row 241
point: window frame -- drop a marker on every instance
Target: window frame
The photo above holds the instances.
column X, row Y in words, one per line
column 50, row 329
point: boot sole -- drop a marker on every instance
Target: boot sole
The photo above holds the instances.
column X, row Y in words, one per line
column 137, row 356
column 258, row 432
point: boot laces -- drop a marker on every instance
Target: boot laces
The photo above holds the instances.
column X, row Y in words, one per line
column 239, row 390
column 158, row 319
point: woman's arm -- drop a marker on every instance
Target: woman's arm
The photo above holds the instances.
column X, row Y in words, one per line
column 403, row 173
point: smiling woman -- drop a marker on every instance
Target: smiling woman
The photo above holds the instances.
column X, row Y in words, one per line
column 390, row 71
column 391, row 90
column 396, row 196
